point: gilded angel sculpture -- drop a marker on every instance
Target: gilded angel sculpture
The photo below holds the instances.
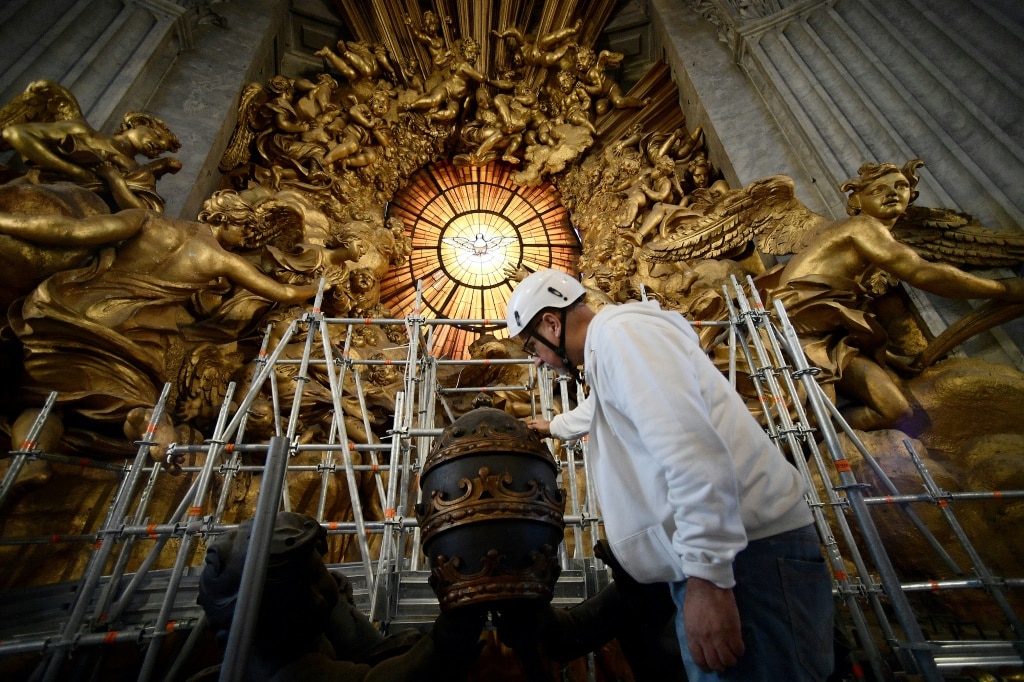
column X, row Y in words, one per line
column 541, row 50
column 591, row 71
column 124, row 320
column 45, row 125
column 838, row 267
column 443, row 102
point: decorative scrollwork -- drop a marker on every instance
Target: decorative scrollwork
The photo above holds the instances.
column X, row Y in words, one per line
column 489, row 497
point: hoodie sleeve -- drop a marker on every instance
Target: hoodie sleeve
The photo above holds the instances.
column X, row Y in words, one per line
column 574, row 423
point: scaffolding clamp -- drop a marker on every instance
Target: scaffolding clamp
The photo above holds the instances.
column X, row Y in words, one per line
column 323, row 467
column 852, row 486
column 201, row 526
column 857, row 587
column 810, row 371
column 173, row 460
column 230, row 466
column 393, row 518
column 797, row 430
column 758, row 316
column 118, row 533
column 761, row 373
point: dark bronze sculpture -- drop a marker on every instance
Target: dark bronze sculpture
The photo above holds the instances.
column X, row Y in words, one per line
column 492, row 519
column 492, row 514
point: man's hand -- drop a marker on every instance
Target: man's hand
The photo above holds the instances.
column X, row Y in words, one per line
column 712, row 625
column 541, row 426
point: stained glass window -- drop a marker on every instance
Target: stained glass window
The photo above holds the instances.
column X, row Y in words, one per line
column 471, row 229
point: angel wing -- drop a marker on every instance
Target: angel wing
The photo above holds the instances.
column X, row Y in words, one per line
column 766, row 211
column 940, row 234
column 606, row 58
column 44, row 101
column 237, row 151
column 281, row 220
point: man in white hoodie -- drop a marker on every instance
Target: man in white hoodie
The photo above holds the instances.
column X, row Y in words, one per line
column 692, row 491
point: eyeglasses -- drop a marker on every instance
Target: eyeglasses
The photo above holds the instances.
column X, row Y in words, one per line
column 529, row 346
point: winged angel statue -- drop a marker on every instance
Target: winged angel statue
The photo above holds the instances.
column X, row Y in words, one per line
column 839, row 267
column 45, row 125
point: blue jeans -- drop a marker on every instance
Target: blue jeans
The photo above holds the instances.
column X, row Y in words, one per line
column 784, row 596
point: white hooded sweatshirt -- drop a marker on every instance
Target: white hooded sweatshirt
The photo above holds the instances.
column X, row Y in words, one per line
column 684, row 475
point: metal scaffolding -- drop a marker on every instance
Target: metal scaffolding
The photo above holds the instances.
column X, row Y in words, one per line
column 110, row 604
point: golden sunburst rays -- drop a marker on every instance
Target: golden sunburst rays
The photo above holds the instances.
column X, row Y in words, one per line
column 384, row 21
column 662, row 112
column 471, row 229
column 393, row 22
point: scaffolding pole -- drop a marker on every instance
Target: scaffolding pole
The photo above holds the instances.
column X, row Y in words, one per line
column 753, row 319
column 27, row 449
column 254, row 573
column 919, row 649
column 105, row 545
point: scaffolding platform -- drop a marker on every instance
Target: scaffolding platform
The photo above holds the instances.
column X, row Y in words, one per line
column 128, row 591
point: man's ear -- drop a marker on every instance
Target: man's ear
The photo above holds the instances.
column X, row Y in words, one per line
column 854, row 203
column 551, row 319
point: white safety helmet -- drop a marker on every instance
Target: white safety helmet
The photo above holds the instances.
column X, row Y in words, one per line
column 540, row 290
